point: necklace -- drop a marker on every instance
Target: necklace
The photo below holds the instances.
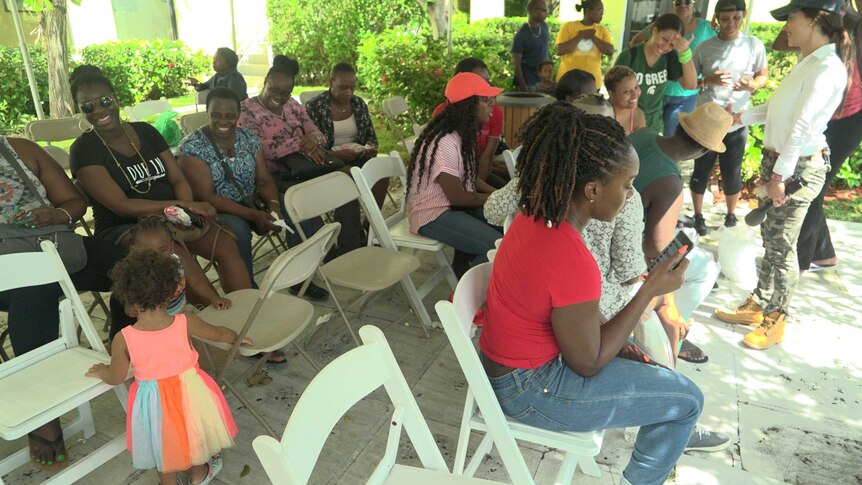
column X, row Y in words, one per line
column 280, row 115
column 120, row 167
column 535, row 35
column 340, row 109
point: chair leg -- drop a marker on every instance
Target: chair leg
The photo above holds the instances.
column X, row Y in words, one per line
column 463, row 435
column 87, row 419
column 567, row 469
column 416, row 303
column 338, row 306
column 248, row 405
column 443, row 261
column 307, row 357
column 483, row 449
column 589, row 466
column 3, row 336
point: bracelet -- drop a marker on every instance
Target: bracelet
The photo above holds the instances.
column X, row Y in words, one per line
column 67, row 214
column 684, row 56
column 776, row 177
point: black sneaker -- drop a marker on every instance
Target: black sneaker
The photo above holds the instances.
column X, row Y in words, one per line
column 313, row 292
column 704, row 440
column 730, row 220
column 700, row 225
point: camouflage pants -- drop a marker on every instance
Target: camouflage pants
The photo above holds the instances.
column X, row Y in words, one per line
column 779, row 271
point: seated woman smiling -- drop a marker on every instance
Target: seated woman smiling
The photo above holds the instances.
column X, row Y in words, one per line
column 551, row 362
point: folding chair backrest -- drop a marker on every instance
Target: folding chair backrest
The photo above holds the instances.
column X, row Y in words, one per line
column 319, row 196
column 376, row 169
column 418, row 129
column 298, row 263
column 511, row 159
column 147, row 108
column 193, row 121
column 201, row 97
column 395, row 107
column 340, row 385
column 457, row 318
column 55, row 130
column 306, row 96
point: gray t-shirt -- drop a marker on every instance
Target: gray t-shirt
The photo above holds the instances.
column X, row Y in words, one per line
column 743, row 55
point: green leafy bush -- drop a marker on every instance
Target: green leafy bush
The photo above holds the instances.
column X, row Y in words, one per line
column 147, row 69
column 16, row 103
column 320, row 33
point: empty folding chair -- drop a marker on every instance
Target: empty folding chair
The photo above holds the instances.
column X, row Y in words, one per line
column 306, row 96
column 48, row 382
column 482, row 410
column 340, row 385
column 271, row 320
column 395, row 108
column 52, row 131
column 201, row 99
column 368, row 269
column 147, row 108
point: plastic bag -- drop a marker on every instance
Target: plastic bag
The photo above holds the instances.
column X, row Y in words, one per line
column 737, row 254
column 650, row 336
column 167, row 125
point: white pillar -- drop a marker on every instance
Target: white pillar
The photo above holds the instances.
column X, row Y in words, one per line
column 487, row 9
column 568, row 12
column 25, row 55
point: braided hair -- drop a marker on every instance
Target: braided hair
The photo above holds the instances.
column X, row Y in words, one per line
column 461, row 118
column 563, row 149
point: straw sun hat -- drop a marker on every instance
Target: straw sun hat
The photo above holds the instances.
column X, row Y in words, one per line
column 707, row 125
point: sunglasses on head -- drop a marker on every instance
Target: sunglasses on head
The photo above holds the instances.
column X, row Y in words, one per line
column 682, row 2
column 90, row 106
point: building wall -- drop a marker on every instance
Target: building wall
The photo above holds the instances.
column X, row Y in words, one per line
column 8, row 36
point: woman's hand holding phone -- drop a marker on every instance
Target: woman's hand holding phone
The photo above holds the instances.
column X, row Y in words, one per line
column 668, row 275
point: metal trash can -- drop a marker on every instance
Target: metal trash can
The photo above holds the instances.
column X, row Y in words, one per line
column 517, row 108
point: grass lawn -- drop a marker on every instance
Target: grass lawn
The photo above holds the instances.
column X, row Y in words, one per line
column 849, row 210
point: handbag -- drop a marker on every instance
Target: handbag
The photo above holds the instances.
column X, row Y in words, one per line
column 253, row 200
column 298, row 167
column 19, row 239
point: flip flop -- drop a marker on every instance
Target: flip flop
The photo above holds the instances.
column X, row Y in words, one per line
column 690, row 348
column 55, row 447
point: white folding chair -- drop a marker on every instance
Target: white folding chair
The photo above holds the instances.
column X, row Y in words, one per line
column 340, row 385
column 147, row 108
column 395, row 108
column 201, row 99
column 394, row 232
column 511, row 159
column 306, row 96
column 271, row 320
column 193, row 121
column 368, row 269
column 52, row 131
column 482, row 410
column 418, row 129
column 48, row 382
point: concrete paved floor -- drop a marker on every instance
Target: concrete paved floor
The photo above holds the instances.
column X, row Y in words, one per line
column 793, row 411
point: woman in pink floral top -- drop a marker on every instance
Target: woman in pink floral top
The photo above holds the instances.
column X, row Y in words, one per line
column 284, row 128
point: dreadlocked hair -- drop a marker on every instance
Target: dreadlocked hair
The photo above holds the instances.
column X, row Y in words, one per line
column 563, row 149
column 458, row 118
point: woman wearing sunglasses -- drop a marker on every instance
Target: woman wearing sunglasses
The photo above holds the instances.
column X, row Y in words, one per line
column 678, row 99
column 128, row 171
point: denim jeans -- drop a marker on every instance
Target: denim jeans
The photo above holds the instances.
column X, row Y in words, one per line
column 464, row 230
column 700, row 277
column 673, row 106
column 664, row 403
column 242, row 229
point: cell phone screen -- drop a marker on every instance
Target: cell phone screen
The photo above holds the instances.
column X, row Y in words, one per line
column 679, row 241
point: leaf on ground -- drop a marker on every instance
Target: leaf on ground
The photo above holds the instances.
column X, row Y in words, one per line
column 245, row 471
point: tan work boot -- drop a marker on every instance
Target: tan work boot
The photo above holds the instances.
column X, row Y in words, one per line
column 749, row 313
column 769, row 333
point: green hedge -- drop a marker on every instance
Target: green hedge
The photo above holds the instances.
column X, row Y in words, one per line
column 147, row 69
column 16, row 103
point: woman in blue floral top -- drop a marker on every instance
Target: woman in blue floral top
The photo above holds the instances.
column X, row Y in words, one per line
column 203, row 156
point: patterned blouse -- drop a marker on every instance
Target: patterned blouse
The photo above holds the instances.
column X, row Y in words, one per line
column 243, row 164
column 321, row 113
column 14, row 195
column 278, row 135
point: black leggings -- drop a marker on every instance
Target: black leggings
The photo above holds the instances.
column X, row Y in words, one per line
column 34, row 315
column 814, row 244
column 729, row 162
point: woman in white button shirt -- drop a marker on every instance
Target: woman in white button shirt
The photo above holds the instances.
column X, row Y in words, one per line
column 795, row 118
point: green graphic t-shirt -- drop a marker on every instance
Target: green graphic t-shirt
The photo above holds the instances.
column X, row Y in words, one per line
column 653, row 81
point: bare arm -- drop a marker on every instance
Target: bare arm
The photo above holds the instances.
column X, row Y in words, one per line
column 456, row 194
column 61, row 193
column 487, row 157
column 606, row 48
column 266, row 186
column 204, row 330
column 519, row 74
column 689, row 76
column 663, row 201
column 118, row 371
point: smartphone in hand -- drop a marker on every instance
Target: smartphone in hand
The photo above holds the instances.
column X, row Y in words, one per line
column 673, row 248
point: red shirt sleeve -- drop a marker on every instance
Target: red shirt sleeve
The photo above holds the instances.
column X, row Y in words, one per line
column 495, row 124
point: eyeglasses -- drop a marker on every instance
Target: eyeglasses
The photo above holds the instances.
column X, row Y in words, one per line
column 90, row 106
column 278, row 93
column 680, row 3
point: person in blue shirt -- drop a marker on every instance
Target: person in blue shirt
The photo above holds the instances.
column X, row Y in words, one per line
column 530, row 46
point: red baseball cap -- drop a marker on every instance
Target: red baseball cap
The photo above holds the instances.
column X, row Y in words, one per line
column 466, row 84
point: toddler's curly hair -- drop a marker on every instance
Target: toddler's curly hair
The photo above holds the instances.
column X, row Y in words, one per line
column 146, row 279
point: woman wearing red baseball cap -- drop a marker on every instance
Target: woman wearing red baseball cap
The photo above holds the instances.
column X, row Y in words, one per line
column 444, row 196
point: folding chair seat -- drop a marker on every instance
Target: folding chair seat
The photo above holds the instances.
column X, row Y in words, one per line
column 482, row 411
column 271, row 320
column 394, row 231
column 340, row 385
column 368, row 269
column 48, row 382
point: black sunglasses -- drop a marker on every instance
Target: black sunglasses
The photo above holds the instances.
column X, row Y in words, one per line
column 89, row 106
column 682, row 2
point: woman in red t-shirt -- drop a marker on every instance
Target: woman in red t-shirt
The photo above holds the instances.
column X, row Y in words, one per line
column 551, row 361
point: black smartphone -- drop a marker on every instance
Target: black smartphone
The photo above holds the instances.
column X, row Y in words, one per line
column 195, row 219
column 673, row 248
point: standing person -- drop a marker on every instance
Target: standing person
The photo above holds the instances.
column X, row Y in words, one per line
column 843, row 135
column 549, row 359
column 655, row 66
column 732, row 66
column 226, row 75
column 795, row 118
column 678, row 99
column 177, row 417
column 624, row 93
column 530, row 46
column 582, row 43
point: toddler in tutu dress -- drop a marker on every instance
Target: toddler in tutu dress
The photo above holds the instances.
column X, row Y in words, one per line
column 177, row 417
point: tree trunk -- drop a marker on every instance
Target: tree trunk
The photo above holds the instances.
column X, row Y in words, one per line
column 53, row 24
column 438, row 15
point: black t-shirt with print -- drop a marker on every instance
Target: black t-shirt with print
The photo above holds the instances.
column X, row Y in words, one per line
column 142, row 172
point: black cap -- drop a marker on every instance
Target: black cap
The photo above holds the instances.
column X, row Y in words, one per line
column 781, row 14
column 730, row 6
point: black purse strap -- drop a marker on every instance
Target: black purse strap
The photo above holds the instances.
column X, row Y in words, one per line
column 224, row 166
column 13, row 161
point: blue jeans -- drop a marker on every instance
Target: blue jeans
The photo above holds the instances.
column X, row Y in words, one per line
column 673, row 106
column 466, row 231
column 700, row 277
column 242, row 229
column 664, row 403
